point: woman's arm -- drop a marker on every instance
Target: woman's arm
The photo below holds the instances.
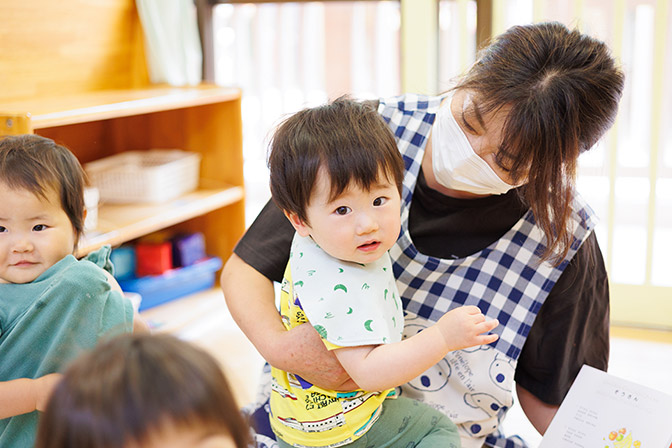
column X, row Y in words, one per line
column 538, row 413
column 571, row 329
column 26, row 395
column 250, row 298
column 385, row 366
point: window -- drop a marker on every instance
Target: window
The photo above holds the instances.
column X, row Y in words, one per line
column 287, row 56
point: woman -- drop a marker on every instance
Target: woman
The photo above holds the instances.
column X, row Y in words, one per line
column 490, row 217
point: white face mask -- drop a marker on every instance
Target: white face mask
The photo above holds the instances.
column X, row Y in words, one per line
column 456, row 165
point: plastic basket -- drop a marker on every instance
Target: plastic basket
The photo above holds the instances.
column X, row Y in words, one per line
column 176, row 283
column 155, row 175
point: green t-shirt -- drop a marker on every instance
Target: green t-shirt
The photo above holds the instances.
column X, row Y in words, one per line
column 45, row 324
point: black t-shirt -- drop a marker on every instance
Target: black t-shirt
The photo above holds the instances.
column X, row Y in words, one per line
column 572, row 327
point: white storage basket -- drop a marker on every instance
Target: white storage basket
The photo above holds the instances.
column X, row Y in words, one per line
column 155, row 175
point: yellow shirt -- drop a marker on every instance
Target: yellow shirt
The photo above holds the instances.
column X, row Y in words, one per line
column 306, row 415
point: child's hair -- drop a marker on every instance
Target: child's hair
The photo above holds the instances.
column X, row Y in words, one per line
column 133, row 386
column 346, row 138
column 37, row 164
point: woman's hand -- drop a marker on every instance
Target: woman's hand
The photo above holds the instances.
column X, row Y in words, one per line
column 465, row 327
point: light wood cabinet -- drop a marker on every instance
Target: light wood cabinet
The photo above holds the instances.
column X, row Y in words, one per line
column 204, row 119
column 75, row 71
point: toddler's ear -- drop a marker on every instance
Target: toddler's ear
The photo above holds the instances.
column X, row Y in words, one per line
column 301, row 227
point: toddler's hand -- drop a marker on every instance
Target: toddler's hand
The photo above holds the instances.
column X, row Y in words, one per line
column 465, row 327
column 45, row 385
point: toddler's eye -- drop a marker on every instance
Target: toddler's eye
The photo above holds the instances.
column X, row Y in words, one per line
column 379, row 201
column 342, row 210
column 39, row 227
column 3, row 229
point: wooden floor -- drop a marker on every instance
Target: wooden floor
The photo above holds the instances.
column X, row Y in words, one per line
column 204, row 319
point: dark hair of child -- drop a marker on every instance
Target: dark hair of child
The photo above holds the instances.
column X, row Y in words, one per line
column 132, row 387
column 37, row 164
column 347, row 138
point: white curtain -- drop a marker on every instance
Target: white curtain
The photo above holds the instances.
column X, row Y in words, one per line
column 173, row 46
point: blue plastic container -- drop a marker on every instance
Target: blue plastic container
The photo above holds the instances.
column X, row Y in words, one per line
column 173, row 284
column 123, row 259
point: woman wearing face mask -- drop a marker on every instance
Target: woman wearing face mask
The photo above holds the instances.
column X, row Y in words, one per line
column 490, row 217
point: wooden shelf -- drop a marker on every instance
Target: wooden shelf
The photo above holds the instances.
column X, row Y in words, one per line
column 46, row 112
column 119, row 223
column 205, row 119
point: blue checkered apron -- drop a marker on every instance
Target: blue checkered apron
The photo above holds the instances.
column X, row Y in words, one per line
column 506, row 280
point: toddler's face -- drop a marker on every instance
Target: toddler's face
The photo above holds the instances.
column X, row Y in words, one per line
column 358, row 225
column 35, row 233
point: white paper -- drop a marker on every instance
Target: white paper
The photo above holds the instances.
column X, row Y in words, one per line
column 604, row 411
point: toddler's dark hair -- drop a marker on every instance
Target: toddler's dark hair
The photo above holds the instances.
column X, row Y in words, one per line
column 37, row 164
column 130, row 387
column 347, row 138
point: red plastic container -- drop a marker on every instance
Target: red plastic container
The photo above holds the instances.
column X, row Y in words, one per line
column 153, row 258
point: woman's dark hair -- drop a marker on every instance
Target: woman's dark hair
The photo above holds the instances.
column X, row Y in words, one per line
column 345, row 137
column 561, row 91
column 128, row 388
column 37, row 164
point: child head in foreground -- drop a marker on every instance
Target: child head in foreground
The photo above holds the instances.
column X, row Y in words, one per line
column 143, row 391
column 41, row 206
column 336, row 172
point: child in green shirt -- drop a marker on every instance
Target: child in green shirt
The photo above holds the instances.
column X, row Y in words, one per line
column 52, row 306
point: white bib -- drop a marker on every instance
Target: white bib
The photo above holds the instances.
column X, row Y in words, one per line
column 349, row 304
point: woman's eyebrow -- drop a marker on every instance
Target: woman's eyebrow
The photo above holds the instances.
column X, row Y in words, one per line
column 477, row 114
column 466, row 123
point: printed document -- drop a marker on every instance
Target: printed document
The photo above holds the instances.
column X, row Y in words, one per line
column 603, row 411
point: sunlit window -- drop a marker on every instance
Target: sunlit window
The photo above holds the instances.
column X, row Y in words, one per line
column 287, row 56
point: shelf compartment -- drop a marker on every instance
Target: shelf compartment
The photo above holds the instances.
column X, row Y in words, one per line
column 118, row 223
column 174, row 284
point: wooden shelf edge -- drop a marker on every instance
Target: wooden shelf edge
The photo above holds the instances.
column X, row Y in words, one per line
column 121, row 223
column 107, row 104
